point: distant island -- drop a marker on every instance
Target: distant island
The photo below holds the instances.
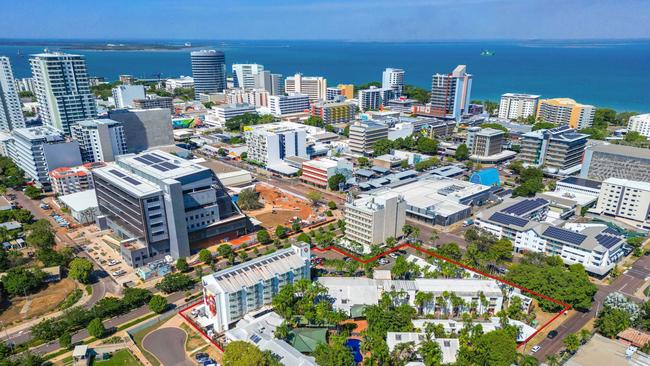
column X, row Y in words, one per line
column 101, row 46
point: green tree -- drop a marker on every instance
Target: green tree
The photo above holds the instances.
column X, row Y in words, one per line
column 382, row 147
column 427, row 145
column 158, row 304
column 81, row 270
column 280, row 231
column 314, row 121
column 334, row 181
column 450, row 250
column 303, row 237
column 430, row 352
column 611, row 321
column 181, row 265
column 543, row 126
column 363, row 161
column 173, row 282
column 314, row 197
column 33, row 192
column 462, row 152
column 496, row 348
column 334, row 354
column 571, row 342
column 634, row 136
column 19, row 281
column 241, row 353
column 205, row 256
column 40, row 235
column 248, row 199
column 65, row 340
column 332, row 205
column 96, row 328
column 263, row 237
column 603, row 117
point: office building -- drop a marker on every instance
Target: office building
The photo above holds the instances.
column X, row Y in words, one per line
column 565, row 111
column 11, row 113
column 225, row 112
column 183, row 82
column 363, row 136
column 25, row 84
column 271, row 143
column 254, row 97
column 451, row 94
column 627, row 200
column 559, row 149
column 616, row 161
column 39, row 150
column 640, row 123
column 209, row 71
column 243, row 75
column 332, row 112
column 144, row 128
column 401, row 104
column 154, row 102
column 62, row 89
column 67, row 180
column 288, row 104
column 484, row 141
column 373, row 218
column 231, row 293
column 272, row 83
column 160, row 204
column 374, row 98
column 334, row 94
column 393, row 79
column 100, row 139
column 320, row 170
column 518, row 106
column 125, row 94
column 314, row 86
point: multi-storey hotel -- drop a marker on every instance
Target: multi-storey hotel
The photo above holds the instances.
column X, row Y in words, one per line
column 393, row 79
column 230, row 294
column 516, row 106
column 565, row 111
column 100, row 139
column 271, row 143
column 559, row 149
column 209, row 71
column 125, row 94
column 288, row 104
column 450, row 94
column 154, row 102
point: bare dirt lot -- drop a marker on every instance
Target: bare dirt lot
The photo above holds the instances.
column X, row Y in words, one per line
column 280, row 207
column 41, row 303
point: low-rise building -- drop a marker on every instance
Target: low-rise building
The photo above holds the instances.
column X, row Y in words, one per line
column 332, row 113
column 319, row 171
column 182, row 82
column 448, row 346
column 281, row 105
column 231, row 293
column 82, row 206
column 223, row 113
column 67, row 180
column 373, row 218
column 255, row 97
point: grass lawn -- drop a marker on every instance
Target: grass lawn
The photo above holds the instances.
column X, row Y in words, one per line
column 121, row 357
column 194, row 339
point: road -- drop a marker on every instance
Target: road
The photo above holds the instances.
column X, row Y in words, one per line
column 628, row 283
column 167, row 344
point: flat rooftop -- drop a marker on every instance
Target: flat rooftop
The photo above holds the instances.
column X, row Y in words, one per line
column 127, row 181
column 634, row 152
column 160, row 165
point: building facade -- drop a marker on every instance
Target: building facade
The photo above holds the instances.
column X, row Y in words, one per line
column 371, row 219
column 640, row 123
column 484, row 141
column 517, row 106
column 62, row 89
column 626, row 199
column 565, row 111
column 208, row 71
column 320, row 170
column 451, row 94
column 330, row 113
column 314, row 86
column 226, row 112
column 288, row 104
column 125, row 94
column 254, row 97
column 271, row 83
column 66, row 180
column 144, row 128
column 154, row 102
column 374, row 98
column 244, row 75
column 100, row 140
column 11, row 113
column 616, row 161
column 393, row 79
column 183, row 82
column 271, row 143
column 559, row 149
column 363, row 136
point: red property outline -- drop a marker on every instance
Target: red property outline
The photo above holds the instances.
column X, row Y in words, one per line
column 433, row 254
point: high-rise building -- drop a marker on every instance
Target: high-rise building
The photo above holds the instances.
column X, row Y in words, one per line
column 560, row 148
column 38, row 150
column 640, row 123
column 333, row 94
column 272, row 83
column 565, row 111
column 515, row 106
column 209, row 71
column 364, row 134
column 393, row 79
column 331, row 112
column 451, row 93
column 144, row 128
column 160, row 204
column 374, row 98
column 373, row 218
column 11, row 114
column 125, row 94
column 25, row 84
column 314, row 86
column 347, row 90
column 244, row 75
column 484, row 141
column 626, row 199
column 100, row 140
column 616, row 161
column 62, row 89
column 287, row 104
column 271, row 143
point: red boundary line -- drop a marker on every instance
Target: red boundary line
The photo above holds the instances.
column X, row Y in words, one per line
column 364, row 261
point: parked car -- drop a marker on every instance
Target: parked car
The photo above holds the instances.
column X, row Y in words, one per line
column 552, row 334
column 535, row 349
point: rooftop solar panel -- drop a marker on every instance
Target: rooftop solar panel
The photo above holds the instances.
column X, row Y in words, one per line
column 153, row 158
column 142, row 160
column 131, row 180
column 564, row 235
column 169, row 165
column 607, row 241
column 159, row 167
column 525, row 206
column 508, row 219
column 117, row 173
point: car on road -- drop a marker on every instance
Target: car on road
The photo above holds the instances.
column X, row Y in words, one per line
column 393, row 255
column 535, row 349
column 552, row 334
column 119, row 273
column 113, row 262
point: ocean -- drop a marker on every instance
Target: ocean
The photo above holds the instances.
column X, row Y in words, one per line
column 614, row 74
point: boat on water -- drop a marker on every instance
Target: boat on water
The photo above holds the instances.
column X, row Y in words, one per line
column 487, row 53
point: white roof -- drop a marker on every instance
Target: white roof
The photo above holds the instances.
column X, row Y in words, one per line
column 458, row 286
column 160, row 165
column 127, row 181
column 448, row 346
column 645, row 186
column 450, row 325
column 80, row 201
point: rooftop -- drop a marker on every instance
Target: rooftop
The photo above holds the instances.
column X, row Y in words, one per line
column 160, row 165
column 588, row 183
column 634, row 152
column 127, row 181
column 644, row 186
column 80, row 201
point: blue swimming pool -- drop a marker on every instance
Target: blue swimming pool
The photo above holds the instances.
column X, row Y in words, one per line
column 355, row 346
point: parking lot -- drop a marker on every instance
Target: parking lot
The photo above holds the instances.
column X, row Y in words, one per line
column 104, row 250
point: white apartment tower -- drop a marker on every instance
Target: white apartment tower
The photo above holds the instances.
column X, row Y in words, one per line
column 100, row 140
column 640, row 123
column 314, row 86
column 271, row 143
column 393, row 79
column 125, row 94
column 372, row 219
column 62, row 89
column 515, row 106
column 625, row 199
column 11, row 114
column 244, row 75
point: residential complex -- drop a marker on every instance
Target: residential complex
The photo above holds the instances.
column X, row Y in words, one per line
column 288, row 104
column 67, row 180
column 331, row 112
column 640, row 123
column 451, row 94
column 62, row 89
column 255, row 97
column 347, row 90
column 565, row 111
column 125, row 94
column 314, row 86
column 320, row 170
column 627, row 200
column 230, row 294
column 393, row 79
column 271, row 143
column 374, row 98
column 616, row 161
column 160, row 204
column 154, row 102
column 208, row 71
column 144, row 128
column 244, row 75
column 559, row 149
column 334, row 94
column 363, row 136
column 373, row 218
column 11, row 114
column 100, row 139
column 517, row 106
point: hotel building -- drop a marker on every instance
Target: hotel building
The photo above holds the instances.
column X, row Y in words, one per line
column 125, row 94
column 627, row 200
column 271, row 143
column 332, row 113
column 516, row 106
column 565, row 111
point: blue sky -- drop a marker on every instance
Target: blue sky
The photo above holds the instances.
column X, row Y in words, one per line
column 388, row 20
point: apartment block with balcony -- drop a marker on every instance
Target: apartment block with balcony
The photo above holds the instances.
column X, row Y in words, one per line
column 66, row 180
column 333, row 113
column 565, row 111
column 557, row 150
column 515, row 106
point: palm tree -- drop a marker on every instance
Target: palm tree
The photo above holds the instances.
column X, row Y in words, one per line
column 552, row 360
column 584, row 336
column 440, row 303
column 422, row 298
column 403, row 353
column 430, row 351
column 434, row 236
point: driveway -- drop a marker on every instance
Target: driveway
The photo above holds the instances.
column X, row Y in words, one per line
column 168, row 345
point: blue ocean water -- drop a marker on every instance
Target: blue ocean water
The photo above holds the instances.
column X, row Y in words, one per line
column 613, row 74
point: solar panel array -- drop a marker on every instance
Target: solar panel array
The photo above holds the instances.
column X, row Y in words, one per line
column 525, row 206
column 564, row 235
column 155, row 161
column 607, row 241
column 124, row 177
column 508, row 219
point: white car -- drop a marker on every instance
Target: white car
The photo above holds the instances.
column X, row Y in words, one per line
column 535, row 349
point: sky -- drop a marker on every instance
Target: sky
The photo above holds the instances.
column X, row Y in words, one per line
column 359, row 20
